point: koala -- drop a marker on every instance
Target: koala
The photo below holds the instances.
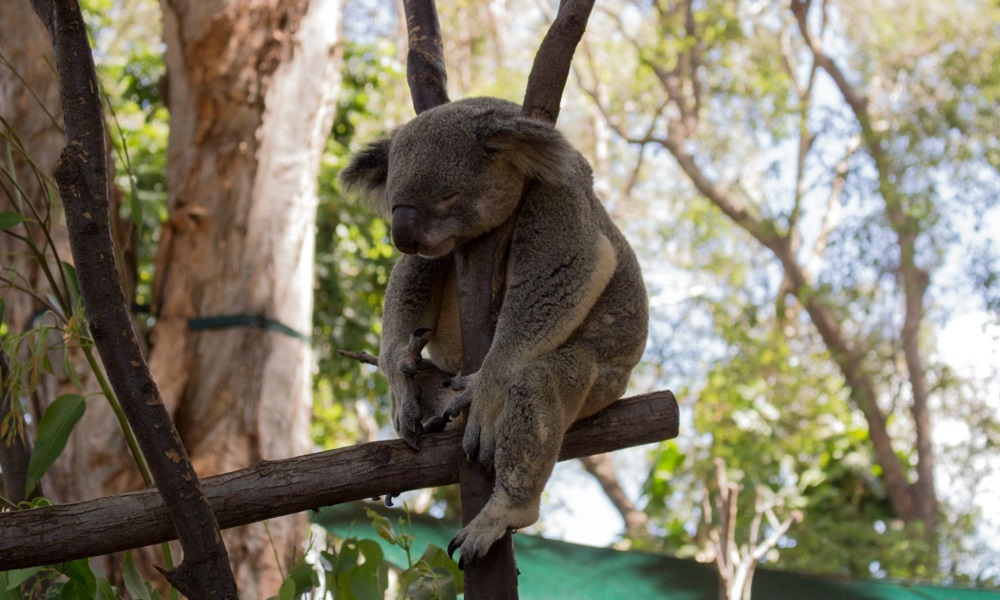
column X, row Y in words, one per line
column 573, row 322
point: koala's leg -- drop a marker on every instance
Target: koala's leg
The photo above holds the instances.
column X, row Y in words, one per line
column 542, row 402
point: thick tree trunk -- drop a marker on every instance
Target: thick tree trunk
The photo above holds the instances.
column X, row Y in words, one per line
column 251, row 93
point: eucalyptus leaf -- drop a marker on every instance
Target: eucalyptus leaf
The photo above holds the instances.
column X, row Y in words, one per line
column 9, row 219
column 133, row 580
column 16, row 577
column 53, row 432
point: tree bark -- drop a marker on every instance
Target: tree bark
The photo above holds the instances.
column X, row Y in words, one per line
column 252, row 89
column 268, row 489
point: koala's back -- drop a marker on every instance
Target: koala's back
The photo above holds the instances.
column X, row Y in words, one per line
column 616, row 326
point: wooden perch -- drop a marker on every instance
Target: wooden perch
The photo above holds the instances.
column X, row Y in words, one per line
column 271, row 489
column 81, row 175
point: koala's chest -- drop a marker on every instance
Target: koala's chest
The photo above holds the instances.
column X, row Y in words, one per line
column 445, row 348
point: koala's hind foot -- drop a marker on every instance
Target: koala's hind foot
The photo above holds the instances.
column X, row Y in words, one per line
column 541, row 403
column 498, row 516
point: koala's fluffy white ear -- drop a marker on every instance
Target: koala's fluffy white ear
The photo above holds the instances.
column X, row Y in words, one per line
column 366, row 174
column 536, row 149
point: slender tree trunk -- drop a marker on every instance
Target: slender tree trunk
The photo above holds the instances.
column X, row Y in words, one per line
column 602, row 469
column 251, row 96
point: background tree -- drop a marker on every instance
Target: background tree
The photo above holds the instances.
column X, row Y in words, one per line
column 843, row 154
column 251, row 90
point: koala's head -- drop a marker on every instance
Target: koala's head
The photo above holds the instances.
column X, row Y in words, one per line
column 455, row 172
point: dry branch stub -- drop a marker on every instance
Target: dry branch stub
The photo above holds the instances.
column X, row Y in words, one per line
column 274, row 488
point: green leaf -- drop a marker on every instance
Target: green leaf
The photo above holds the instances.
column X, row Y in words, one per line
column 82, row 582
column 53, row 432
column 3, row 308
column 18, row 576
column 437, row 584
column 10, row 219
column 370, row 580
column 382, row 526
column 73, row 282
column 7, row 593
column 105, row 591
column 304, row 576
column 133, row 580
column 287, row 590
column 436, row 558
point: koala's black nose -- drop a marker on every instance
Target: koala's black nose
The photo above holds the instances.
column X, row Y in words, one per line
column 406, row 229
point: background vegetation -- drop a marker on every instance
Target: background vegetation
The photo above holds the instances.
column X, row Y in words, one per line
column 779, row 170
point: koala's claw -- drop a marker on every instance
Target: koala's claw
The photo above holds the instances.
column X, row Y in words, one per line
column 454, row 545
column 419, row 339
column 410, row 433
column 459, row 404
column 410, row 363
column 436, row 424
column 409, row 367
column 458, row 383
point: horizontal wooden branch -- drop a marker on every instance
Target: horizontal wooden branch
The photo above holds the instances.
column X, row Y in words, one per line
column 271, row 489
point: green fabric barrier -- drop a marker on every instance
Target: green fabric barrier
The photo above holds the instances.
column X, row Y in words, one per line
column 551, row 569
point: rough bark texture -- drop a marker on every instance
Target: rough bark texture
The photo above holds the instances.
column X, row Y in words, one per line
column 480, row 267
column 269, row 489
column 252, row 87
column 16, row 452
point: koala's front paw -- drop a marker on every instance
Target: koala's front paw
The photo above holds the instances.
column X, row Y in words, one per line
column 484, row 403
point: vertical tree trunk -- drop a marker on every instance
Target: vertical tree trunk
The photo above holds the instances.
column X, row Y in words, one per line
column 251, row 94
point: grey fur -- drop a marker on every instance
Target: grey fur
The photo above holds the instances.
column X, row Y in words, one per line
column 574, row 319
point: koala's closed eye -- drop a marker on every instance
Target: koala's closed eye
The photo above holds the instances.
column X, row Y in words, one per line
column 447, row 202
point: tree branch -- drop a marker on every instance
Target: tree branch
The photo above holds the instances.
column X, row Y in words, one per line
column 274, row 488
column 600, row 467
column 550, row 70
column 425, row 71
column 81, row 175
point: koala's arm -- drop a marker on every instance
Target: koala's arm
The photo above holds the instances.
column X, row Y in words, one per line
column 412, row 301
column 560, row 264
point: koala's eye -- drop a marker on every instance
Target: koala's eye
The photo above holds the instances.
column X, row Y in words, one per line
column 447, row 201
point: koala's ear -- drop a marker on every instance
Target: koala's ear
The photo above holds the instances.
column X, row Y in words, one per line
column 366, row 174
column 536, row 149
